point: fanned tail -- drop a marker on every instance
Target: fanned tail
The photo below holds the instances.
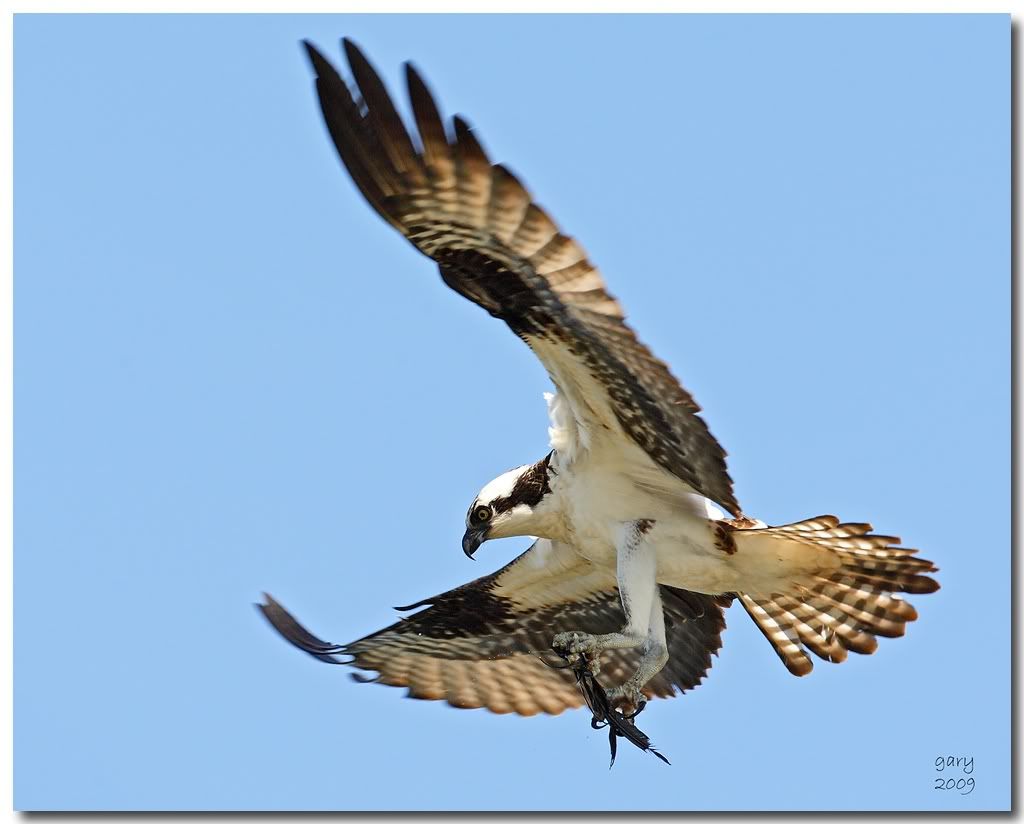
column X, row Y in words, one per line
column 845, row 605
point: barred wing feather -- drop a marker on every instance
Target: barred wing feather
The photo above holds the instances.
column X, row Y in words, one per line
column 487, row 643
column 498, row 248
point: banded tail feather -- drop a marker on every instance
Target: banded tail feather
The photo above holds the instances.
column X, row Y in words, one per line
column 846, row 606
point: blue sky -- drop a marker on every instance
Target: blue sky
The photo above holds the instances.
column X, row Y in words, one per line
column 231, row 376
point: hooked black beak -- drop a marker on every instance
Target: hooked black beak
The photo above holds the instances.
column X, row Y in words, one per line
column 472, row 539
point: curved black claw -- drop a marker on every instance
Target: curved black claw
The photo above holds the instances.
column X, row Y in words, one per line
column 639, row 709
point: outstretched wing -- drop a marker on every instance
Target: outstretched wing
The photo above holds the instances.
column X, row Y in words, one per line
column 488, row 643
column 495, row 246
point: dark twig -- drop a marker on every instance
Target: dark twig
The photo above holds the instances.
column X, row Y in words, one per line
column 619, row 724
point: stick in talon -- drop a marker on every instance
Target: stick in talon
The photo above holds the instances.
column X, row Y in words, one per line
column 619, row 724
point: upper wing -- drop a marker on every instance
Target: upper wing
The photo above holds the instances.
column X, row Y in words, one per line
column 500, row 250
column 481, row 645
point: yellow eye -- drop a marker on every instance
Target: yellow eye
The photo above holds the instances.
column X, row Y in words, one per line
column 481, row 514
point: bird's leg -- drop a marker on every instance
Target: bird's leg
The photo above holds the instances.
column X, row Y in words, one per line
column 628, row 696
column 638, row 588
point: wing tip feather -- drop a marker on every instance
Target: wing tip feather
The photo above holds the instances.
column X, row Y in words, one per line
column 353, row 53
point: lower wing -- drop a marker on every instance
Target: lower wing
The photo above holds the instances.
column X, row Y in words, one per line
column 487, row 643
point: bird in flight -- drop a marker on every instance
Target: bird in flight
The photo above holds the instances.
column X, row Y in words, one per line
column 640, row 541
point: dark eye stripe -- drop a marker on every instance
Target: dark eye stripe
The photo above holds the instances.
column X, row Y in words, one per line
column 501, row 505
column 530, row 487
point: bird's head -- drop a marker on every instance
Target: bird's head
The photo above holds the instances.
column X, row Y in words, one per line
column 518, row 502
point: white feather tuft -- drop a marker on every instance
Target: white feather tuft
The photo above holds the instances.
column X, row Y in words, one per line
column 564, row 434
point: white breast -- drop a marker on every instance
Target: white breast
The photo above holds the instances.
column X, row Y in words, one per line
column 605, row 479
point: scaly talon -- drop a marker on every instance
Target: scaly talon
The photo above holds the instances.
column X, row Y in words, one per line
column 572, row 644
column 577, row 647
column 628, row 699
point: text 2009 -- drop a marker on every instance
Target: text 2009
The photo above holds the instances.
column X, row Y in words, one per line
column 950, row 765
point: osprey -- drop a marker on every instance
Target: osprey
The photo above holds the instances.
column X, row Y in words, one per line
column 640, row 540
